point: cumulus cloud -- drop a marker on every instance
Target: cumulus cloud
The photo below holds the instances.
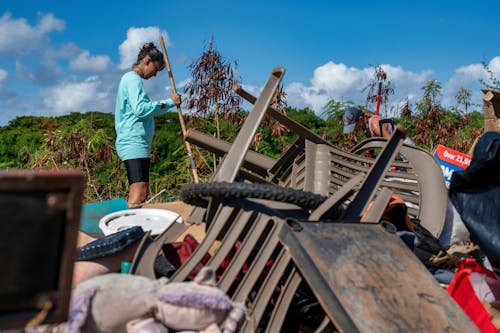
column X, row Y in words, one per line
column 49, row 22
column 494, row 65
column 470, row 77
column 136, row 37
column 336, row 77
column 85, row 62
column 343, row 83
column 18, row 36
column 77, row 97
column 464, row 77
column 3, row 75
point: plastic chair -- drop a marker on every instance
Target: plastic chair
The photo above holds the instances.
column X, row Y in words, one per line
column 253, row 265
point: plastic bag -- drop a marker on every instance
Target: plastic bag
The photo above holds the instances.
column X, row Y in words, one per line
column 475, row 193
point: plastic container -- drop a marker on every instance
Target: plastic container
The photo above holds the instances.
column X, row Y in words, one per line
column 156, row 220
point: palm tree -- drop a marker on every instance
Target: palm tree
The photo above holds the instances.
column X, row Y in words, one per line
column 334, row 109
column 463, row 97
column 432, row 92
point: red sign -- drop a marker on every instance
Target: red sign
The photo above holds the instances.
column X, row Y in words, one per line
column 450, row 161
column 452, row 156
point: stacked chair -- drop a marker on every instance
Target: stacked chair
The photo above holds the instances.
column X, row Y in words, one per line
column 296, row 233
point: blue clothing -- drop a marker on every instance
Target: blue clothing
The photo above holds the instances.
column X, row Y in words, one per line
column 134, row 117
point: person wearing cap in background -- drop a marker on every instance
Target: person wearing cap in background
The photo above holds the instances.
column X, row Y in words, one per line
column 357, row 119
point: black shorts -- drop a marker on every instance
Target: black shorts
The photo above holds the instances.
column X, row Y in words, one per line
column 137, row 170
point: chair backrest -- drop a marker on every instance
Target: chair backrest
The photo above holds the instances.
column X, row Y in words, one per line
column 251, row 266
column 426, row 197
column 323, row 168
column 313, row 164
column 251, row 263
column 39, row 222
column 255, row 268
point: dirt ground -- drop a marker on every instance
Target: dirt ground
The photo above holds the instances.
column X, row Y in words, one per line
column 197, row 230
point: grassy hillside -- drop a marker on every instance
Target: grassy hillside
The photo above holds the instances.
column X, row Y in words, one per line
column 86, row 141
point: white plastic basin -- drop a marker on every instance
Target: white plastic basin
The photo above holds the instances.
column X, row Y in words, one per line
column 156, row 220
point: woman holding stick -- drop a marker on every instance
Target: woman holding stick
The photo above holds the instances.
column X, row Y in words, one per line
column 134, row 121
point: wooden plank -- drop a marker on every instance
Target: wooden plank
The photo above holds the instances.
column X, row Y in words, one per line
column 367, row 280
column 491, row 101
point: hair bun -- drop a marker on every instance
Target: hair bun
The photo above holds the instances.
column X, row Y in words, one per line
column 149, row 45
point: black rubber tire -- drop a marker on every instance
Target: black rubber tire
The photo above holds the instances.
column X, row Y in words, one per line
column 194, row 194
column 109, row 244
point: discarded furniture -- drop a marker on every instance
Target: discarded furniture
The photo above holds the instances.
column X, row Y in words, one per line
column 367, row 280
column 425, row 192
column 39, row 222
column 270, row 250
column 312, row 164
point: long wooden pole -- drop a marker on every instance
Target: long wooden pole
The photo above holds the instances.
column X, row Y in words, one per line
column 179, row 112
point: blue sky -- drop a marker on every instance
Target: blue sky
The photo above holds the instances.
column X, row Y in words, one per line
column 60, row 56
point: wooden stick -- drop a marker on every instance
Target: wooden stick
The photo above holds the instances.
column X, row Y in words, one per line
column 179, row 112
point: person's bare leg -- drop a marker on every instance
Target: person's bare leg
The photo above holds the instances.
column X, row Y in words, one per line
column 84, row 270
column 137, row 194
column 83, row 239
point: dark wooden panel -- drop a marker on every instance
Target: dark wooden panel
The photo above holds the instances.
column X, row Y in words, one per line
column 368, row 281
column 39, row 221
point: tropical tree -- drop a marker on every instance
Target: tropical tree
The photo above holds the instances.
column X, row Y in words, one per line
column 406, row 109
column 430, row 97
column 210, row 89
column 334, row 109
column 277, row 130
column 463, row 97
column 379, row 87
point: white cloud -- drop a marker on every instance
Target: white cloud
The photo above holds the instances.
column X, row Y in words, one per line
column 299, row 95
column 336, row 77
column 18, row 36
column 136, row 37
column 466, row 77
column 85, row 62
column 469, row 77
column 49, row 22
column 345, row 83
column 78, row 97
column 494, row 65
column 3, row 75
